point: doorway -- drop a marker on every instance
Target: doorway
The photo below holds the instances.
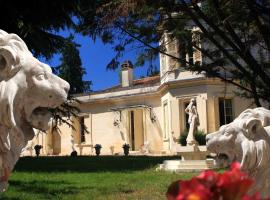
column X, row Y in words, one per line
column 56, row 142
column 136, row 137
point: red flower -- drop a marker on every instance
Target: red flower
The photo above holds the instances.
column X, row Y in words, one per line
column 256, row 196
column 194, row 189
column 173, row 190
column 234, row 184
column 209, row 177
column 209, row 185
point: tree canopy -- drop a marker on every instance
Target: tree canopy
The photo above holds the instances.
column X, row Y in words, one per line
column 37, row 22
column 234, row 36
column 71, row 68
column 236, row 33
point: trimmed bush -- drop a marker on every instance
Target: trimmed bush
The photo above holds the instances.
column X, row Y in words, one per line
column 199, row 137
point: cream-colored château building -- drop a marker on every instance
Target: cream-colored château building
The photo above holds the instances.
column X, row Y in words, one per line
column 147, row 113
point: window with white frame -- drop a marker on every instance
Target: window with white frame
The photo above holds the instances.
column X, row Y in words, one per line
column 225, row 111
column 82, row 130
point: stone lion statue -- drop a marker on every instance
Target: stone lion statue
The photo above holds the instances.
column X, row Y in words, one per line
column 28, row 89
column 247, row 140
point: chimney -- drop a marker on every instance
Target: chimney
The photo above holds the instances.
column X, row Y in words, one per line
column 127, row 74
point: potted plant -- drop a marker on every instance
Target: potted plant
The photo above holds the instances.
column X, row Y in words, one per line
column 74, row 154
column 97, row 149
column 126, row 148
column 37, row 149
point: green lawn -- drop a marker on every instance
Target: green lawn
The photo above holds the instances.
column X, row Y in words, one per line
column 89, row 178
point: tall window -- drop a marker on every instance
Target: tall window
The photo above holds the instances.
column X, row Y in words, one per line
column 193, row 44
column 196, row 40
column 189, row 50
column 132, row 128
column 82, row 127
column 166, row 121
column 225, row 111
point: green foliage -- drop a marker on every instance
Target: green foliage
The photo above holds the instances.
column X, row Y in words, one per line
column 153, row 71
column 71, row 68
column 98, row 146
column 97, row 149
column 37, row 149
column 125, row 146
column 74, row 154
column 199, row 136
column 38, row 22
column 226, row 27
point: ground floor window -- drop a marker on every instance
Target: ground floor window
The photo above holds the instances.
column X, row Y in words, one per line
column 166, row 120
column 225, row 111
column 82, row 129
column 132, row 131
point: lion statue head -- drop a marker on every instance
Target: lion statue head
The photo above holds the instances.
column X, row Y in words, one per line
column 247, row 140
column 28, row 89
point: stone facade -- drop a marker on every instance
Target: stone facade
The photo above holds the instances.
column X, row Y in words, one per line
column 140, row 114
column 146, row 112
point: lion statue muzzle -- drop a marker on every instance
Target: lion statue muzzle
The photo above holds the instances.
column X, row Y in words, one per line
column 247, row 141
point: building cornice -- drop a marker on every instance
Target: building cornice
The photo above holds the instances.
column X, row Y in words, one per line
column 146, row 91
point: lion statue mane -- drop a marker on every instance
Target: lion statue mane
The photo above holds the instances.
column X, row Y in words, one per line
column 28, row 89
column 247, row 140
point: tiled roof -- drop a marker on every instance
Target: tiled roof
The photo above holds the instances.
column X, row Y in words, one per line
column 147, row 80
column 138, row 82
column 153, row 80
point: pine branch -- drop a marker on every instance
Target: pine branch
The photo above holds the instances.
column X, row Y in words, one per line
column 213, row 40
column 245, row 55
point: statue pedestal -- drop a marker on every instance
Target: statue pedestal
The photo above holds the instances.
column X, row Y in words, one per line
column 192, row 143
column 187, row 165
column 193, row 159
column 193, row 152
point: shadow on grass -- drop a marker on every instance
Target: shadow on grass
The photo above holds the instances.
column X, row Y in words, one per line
column 89, row 163
column 46, row 189
column 9, row 198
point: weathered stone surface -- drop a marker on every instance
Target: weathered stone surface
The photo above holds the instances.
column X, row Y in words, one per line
column 27, row 90
column 193, row 159
column 187, row 165
column 247, row 140
column 192, row 152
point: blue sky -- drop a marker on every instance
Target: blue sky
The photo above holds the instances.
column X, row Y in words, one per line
column 95, row 56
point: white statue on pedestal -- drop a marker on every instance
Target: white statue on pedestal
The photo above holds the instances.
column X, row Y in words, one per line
column 28, row 89
column 247, row 140
column 193, row 120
